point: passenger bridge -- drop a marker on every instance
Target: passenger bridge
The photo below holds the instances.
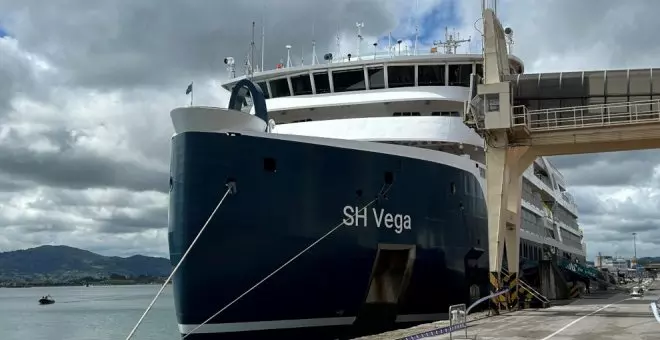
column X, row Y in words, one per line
column 522, row 117
column 583, row 112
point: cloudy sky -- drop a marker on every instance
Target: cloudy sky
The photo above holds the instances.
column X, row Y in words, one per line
column 86, row 87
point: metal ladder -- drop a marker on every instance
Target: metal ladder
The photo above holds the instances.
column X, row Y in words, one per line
column 528, row 288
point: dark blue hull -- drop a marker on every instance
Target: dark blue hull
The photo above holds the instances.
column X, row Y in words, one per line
column 398, row 269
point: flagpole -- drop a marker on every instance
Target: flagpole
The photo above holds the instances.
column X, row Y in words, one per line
column 192, row 93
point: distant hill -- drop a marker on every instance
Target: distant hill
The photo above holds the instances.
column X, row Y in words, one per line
column 64, row 262
column 647, row 260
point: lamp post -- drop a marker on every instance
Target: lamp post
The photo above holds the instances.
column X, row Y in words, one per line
column 635, row 248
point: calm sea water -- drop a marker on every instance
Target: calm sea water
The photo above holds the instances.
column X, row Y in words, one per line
column 86, row 313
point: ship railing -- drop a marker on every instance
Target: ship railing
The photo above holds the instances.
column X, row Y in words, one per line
column 393, row 54
column 588, row 116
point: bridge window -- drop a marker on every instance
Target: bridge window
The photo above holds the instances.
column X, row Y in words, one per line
column 376, row 77
column 280, row 88
column 640, row 83
column 571, row 85
column 595, row 83
column 301, row 84
column 549, row 86
column 492, row 102
column 528, row 87
column 655, row 83
column 401, row 76
column 446, row 113
column 617, row 83
column 348, row 80
column 406, row 114
column 264, row 89
column 431, row 75
column 322, row 82
column 459, row 75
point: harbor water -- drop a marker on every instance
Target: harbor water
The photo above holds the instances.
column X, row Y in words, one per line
column 86, row 313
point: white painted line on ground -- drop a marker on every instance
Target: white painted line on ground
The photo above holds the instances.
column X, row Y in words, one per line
column 580, row 318
column 654, row 309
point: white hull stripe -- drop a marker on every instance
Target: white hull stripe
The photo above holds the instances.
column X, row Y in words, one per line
column 286, row 324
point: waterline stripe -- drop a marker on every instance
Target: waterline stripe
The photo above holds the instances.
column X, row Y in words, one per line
column 300, row 323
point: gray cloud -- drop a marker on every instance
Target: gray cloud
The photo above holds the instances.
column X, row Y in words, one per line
column 609, row 169
column 122, row 65
column 609, row 216
column 72, row 166
column 619, row 30
column 9, row 185
column 120, row 43
column 617, row 192
column 16, row 73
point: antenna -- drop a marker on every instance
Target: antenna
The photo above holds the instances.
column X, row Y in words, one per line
column 263, row 38
column 389, row 45
column 416, row 27
column 375, row 47
column 450, row 44
column 359, row 26
column 315, row 59
column 508, row 32
column 399, row 42
column 252, row 53
column 288, row 55
column 302, row 55
column 338, row 43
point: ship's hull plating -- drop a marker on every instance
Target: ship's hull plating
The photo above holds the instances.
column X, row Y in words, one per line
column 419, row 249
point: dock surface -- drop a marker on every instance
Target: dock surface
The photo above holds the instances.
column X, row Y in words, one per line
column 603, row 315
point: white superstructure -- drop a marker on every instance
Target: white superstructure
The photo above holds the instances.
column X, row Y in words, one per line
column 415, row 100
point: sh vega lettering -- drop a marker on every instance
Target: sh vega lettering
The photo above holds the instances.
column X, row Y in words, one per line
column 353, row 216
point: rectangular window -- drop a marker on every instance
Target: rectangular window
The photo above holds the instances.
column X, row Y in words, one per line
column 655, row 83
column 348, row 80
column 492, row 102
column 376, row 77
column 280, row 88
column 617, row 83
column 431, row 75
column 640, row 82
column 401, row 76
column 459, row 75
column 594, row 81
column 301, row 84
column 322, row 82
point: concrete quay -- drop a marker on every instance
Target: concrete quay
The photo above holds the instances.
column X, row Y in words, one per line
column 603, row 315
column 606, row 315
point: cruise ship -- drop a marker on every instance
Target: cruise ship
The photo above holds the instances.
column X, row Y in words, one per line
column 351, row 198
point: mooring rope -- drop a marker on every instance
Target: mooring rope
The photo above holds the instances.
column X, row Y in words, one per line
column 383, row 191
column 230, row 188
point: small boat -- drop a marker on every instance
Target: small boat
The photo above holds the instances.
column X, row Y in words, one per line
column 46, row 300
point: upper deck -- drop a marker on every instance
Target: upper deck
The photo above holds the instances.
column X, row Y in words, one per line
column 374, row 72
